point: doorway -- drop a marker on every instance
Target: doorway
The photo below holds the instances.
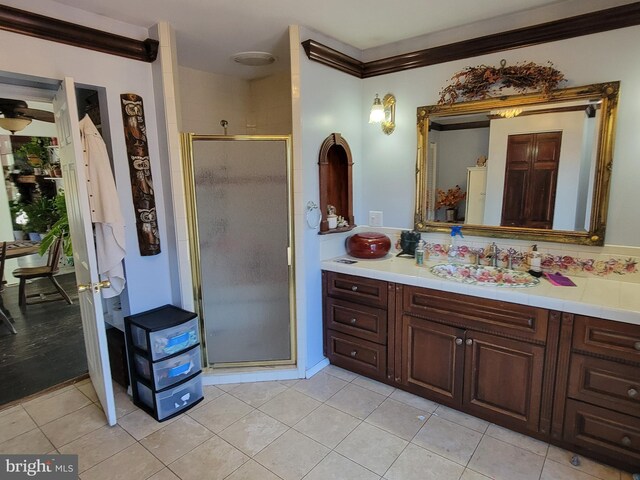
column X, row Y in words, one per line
column 49, row 346
column 531, row 175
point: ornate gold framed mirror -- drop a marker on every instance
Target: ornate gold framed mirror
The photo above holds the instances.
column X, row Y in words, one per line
column 532, row 166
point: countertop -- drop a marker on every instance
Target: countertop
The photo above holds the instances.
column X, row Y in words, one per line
column 592, row 296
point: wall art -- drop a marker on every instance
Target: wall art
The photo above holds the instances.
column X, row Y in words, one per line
column 144, row 202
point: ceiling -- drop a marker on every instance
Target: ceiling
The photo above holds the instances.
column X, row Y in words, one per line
column 208, row 32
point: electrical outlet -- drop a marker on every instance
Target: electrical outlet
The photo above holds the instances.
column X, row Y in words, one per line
column 375, row 218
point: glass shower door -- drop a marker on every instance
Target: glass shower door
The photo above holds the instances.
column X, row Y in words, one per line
column 242, row 207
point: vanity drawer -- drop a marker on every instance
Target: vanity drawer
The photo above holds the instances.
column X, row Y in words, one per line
column 357, row 289
column 605, row 383
column 357, row 355
column 606, row 337
column 604, row 431
column 359, row 320
column 511, row 319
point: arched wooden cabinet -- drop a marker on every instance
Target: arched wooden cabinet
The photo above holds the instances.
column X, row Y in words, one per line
column 336, row 182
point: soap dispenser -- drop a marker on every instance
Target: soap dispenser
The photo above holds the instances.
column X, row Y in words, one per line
column 535, row 261
column 419, row 253
column 453, row 253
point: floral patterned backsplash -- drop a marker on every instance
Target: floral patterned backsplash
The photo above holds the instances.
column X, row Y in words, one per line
column 560, row 258
column 600, row 265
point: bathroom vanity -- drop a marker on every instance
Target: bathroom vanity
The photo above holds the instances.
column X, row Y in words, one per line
column 530, row 362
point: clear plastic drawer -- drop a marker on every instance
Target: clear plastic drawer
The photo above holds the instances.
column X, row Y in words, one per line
column 165, row 373
column 167, row 341
column 174, row 400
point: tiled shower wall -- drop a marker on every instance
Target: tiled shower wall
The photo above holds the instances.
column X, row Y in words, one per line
column 261, row 106
column 207, row 98
column 270, row 105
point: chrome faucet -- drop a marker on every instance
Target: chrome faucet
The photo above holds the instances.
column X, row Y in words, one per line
column 493, row 254
column 477, row 253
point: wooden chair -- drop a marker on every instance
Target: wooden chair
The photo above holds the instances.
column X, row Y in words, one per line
column 46, row 271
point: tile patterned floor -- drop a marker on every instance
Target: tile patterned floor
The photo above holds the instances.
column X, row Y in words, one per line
column 336, row 425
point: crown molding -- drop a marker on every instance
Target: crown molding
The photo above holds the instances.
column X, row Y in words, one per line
column 48, row 28
column 579, row 25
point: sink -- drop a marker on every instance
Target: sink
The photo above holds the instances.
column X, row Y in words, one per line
column 481, row 275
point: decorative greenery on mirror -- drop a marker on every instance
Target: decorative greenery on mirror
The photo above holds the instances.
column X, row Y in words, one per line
column 477, row 83
column 532, row 166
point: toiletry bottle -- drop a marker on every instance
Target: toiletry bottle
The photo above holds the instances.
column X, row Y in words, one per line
column 454, row 248
column 420, row 253
column 535, row 262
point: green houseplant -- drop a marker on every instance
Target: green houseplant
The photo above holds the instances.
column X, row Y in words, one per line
column 42, row 214
column 59, row 229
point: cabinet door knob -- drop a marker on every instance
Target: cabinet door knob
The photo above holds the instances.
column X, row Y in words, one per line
column 354, row 288
column 530, row 322
column 632, row 392
column 353, row 320
column 354, row 353
column 458, row 341
column 469, row 341
column 626, row 441
column 636, row 345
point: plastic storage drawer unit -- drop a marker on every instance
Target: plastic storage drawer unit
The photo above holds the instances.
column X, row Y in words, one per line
column 168, row 371
column 164, row 360
column 173, row 401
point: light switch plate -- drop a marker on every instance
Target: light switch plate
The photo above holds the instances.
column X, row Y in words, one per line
column 375, row 218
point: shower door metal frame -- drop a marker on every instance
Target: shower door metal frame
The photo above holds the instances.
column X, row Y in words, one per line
column 186, row 140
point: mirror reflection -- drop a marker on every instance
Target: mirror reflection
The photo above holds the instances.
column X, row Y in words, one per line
column 526, row 163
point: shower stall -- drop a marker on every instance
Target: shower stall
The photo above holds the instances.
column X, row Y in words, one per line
column 240, row 216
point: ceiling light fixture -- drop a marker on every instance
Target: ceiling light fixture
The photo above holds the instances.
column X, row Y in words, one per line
column 14, row 124
column 253, row 59
column 384, row 113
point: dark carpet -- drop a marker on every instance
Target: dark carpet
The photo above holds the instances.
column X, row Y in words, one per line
column 49, row 347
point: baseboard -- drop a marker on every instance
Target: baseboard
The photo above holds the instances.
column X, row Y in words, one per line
column 317, row 367
column 217, row 377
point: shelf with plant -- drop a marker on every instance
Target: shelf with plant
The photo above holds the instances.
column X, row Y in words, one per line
column 36, row 151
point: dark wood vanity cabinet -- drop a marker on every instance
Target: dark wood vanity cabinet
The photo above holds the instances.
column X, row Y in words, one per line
column 600, row 411
column 462, row 352
column 431, row 360
column 355, row 317
column 568, row 379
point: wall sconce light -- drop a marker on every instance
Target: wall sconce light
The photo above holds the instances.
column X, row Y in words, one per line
column 509, row 112
column 384, row 113
column 14, row 124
